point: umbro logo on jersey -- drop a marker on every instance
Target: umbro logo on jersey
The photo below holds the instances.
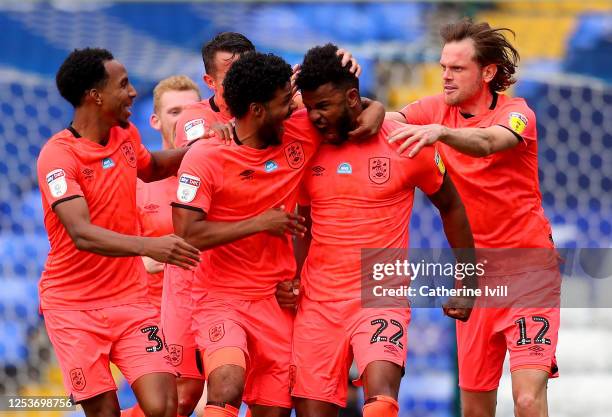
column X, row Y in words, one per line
column 151, row 207
column 108, row 163
column 317, row 171
column 247, row 174
column 88, row 173
column 536, row 348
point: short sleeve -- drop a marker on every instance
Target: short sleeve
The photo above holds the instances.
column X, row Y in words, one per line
column 428, row 170
column 57, row 170
column 416, row 113
column 198, row 180
column 519, row 119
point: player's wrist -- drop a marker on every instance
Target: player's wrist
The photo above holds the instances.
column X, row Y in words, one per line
column 141, row 249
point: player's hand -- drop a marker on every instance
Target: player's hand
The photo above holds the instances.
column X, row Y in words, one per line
column 369, row 121
column 347, row 58
column 459, row 308
column 151, row 265
column 171, row 249
column 287, row 293
column 224, row 131
column 423, row 136
column 294, row 88
column 278, row 222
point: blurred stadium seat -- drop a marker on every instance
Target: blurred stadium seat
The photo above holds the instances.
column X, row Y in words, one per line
column 398, row 46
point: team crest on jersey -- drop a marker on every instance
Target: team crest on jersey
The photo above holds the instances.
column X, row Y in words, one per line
column 295, row 155
column 517, row 122
column 195, row 129
column 216, row 332
column 56, row 180
column 439, row 163
column 344, row 168
column 188, row 187
column 78, row 379
column 175, row 354
column 380, row 170
column 128, row 152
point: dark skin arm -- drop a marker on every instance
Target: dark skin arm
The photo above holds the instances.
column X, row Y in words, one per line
column 74, row 215
column 287, row 292
column 459, row 235
column 163, row 164
column 203, row 234
column 369, row 121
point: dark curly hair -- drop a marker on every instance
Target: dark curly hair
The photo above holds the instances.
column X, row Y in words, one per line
column 232, row 42
column 82, row 70
column 491, row 46
column 254, row 78
column 321, row 66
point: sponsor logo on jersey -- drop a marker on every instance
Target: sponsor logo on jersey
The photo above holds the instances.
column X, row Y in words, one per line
column 188, row 187
column 195, row 129
column 270, row 166
column 108, row 163
column 517, row 122
column 56, row 180
column 439, row 163
column 344, row 168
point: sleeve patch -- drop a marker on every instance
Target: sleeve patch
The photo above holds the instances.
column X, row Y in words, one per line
column 187, row 188
column 439, row 163
column 517, row 122
column 195, row 129
column 56, row 180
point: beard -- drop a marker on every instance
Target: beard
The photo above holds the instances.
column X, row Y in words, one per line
column 269, row 132
column 344, row 125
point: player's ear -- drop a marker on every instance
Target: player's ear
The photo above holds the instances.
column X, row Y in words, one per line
column 488, row 72
column 209, row 81
column 352, row 97
column 154, row 122
column 94, row 95
column 257, row 109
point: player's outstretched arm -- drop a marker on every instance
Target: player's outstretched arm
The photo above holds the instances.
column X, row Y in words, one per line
column 478, row 142
column 459, row 235
column 163, row 164
column 192, row 225
column 369, row 121
column 74, row 215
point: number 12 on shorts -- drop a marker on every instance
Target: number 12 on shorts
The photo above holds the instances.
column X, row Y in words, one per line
column 539, row 338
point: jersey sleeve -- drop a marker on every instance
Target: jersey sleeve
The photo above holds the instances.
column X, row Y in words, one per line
column 519, row 119
column 428, row 170
column 190, row 126
column 419, row 112
column 57, row 170
column 199, row 177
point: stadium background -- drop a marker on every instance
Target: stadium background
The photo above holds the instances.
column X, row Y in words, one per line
column 566, row 49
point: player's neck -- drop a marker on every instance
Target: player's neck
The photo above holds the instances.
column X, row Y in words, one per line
column 478, row 104
column 90, row 126
column 248, row 135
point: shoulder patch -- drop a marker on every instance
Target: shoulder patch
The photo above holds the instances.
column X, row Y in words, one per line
column 187, row 188
column 56, row 180
column 439, row 163
column 194, row 129
column 517, row 122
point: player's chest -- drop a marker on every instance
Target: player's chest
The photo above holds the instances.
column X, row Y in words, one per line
column 367, row 174
column 103, row 175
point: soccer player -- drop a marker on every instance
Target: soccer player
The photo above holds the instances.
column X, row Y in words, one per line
column 489, row 141
column 361, row 196
column 170, row 97
column 153, row 199
column 92, row 291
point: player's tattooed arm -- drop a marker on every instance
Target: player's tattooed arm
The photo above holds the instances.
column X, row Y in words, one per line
column 459, row 235
column 74, row 215
column 478, row 142
column 287, row 292
column 191, row 224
